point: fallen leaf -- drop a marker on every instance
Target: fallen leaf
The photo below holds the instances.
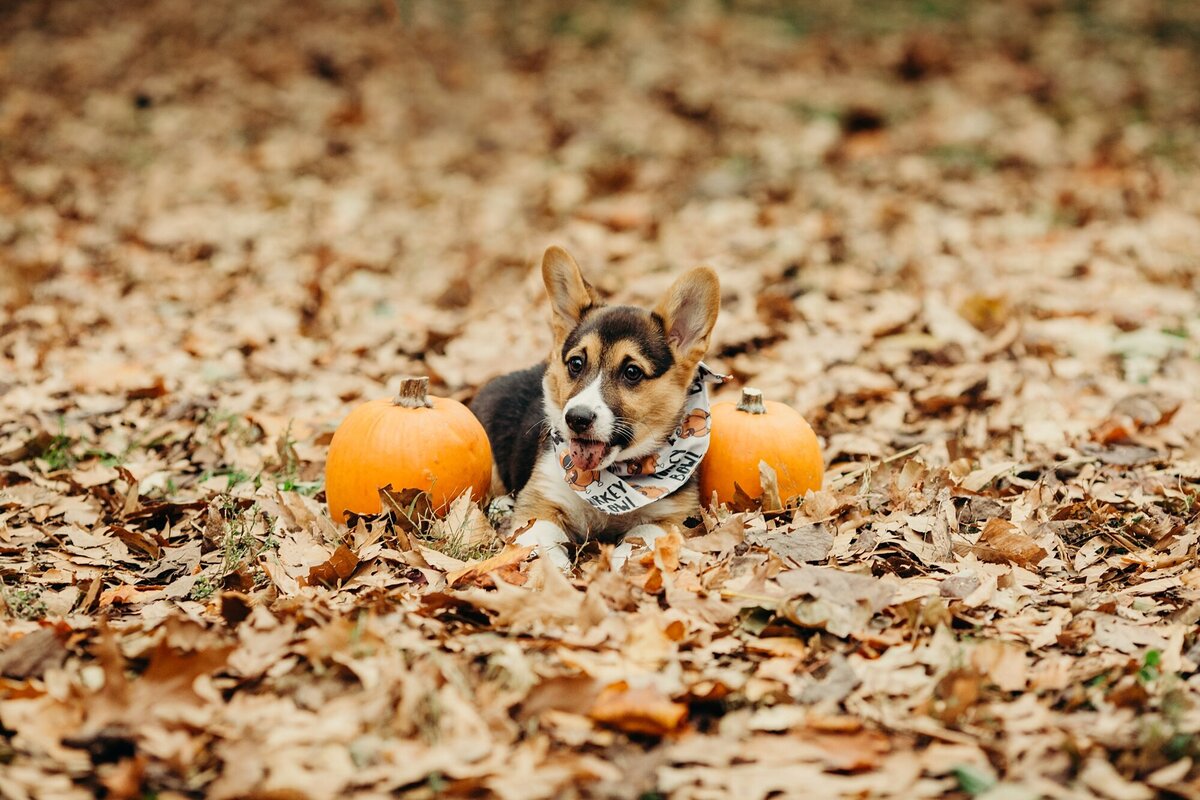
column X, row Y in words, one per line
column 510, row 556
column 642, row 710
column 1100, row 776
column 464, row 526
column 1003, row 538
column 128, row 595
column 340, row 566
column 33, row 654
column 807, row 543
column 836, row 601
column 769, row 483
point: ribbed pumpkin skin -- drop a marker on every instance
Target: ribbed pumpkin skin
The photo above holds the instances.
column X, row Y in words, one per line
column 780, row 437
column 441, row 450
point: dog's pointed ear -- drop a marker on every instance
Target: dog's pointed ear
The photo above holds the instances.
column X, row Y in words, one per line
column 570, row 295
column 689, row 312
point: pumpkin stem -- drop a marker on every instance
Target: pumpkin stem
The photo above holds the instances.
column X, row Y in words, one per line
column 752, row 402
column 413, row 393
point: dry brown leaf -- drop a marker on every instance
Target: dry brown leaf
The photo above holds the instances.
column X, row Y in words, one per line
column 464, row 525
column 839, row 602
column 851, row 752
column 128, row 595
column 1100, row 776
column 409, row 509
column 1002, row 537
column 555, row 601
column 31, row 655
column 1004, row 663
column 643, row 710
column 502, row 562
column 769, row 483
column 807, row 543
column 780, row 646
column 338, row 567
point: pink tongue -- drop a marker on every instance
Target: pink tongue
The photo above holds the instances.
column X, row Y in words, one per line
column 587, row 455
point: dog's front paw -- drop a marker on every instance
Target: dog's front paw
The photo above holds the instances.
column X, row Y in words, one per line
column 648, row 533
column 550, row 541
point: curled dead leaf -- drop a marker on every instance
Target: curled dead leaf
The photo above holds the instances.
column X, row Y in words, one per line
column 128, row 595
column 338, row 567
column 769, row 482
column 644, row 710
column 464, row 526
column 1004, row 539
column 503, row 562
column 32, row 654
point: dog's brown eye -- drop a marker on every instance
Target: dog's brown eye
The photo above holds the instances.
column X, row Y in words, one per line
column 574, row 366
column 632, row 373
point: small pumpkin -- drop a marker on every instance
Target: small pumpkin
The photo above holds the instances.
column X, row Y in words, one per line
column 414, row 441
column 752, row 431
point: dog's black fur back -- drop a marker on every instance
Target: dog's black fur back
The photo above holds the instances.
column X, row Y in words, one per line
column 513, row 413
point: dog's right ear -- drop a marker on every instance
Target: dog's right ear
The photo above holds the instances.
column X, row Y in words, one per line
column 689, row 312
column 570, row 295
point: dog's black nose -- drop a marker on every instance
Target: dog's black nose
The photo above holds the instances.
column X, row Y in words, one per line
column 579, row 419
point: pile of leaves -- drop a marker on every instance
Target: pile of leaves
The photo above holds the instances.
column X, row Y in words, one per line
column 960, row 238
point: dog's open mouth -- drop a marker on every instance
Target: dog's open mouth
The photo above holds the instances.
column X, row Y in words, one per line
column 587, row 454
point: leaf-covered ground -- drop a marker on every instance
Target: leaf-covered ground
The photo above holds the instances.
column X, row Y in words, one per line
column 961, row 239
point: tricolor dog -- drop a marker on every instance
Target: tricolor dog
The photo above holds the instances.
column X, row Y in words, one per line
column 603, row 439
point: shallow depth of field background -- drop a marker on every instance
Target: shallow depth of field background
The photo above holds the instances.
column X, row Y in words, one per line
column 961, row 238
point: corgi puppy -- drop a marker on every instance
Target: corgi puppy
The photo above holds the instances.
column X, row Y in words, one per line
column 603, row 438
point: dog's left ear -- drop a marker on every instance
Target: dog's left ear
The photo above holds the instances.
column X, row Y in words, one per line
column 689, row 312
column 570, row 295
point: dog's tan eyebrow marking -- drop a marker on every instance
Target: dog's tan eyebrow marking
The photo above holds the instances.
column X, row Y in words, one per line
column 627, row 350
column 587, row 343
column 588, row 346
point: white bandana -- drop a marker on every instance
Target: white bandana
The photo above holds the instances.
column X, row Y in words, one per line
column 628, row 485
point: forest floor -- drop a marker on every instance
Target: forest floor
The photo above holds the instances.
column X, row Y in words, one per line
column 962, row 239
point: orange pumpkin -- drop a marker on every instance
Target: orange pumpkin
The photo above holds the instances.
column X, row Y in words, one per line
column 414, row 441
column 752, row 431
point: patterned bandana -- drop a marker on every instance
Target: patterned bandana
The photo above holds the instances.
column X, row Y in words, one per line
column 628, row 485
